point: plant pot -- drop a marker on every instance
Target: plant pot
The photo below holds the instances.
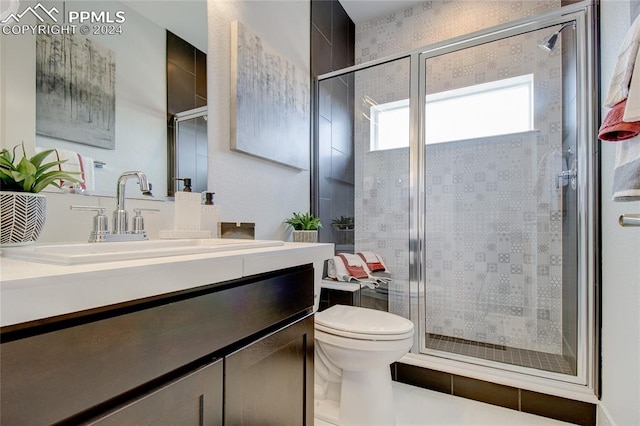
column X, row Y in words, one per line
column 305, row 236
column 22, row 217
column 342, row 236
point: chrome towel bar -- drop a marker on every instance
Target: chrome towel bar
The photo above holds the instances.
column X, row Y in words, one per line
column 629, row 220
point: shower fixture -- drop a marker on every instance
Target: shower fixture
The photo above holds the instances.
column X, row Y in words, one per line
column 549, row 42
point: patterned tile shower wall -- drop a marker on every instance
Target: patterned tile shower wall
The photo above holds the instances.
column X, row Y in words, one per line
column 494, row 248
column 434, row 21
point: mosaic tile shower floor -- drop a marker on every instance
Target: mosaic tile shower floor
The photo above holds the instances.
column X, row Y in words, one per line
column 514, row 356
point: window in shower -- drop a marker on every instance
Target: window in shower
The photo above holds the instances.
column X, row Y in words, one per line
column 500, row 263
column 390, row 125
column 494, row 108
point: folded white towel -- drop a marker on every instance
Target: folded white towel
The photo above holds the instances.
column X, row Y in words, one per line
column 348, row 267
column 370, row 257
column 619, row 85
column 73, row 162
column 353, row 260
column 623, row 85
column 373, row 260
column 88, row 173
column 632, row 108
column 626, row 171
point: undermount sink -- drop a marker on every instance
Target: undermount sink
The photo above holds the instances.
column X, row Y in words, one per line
column 84, row 253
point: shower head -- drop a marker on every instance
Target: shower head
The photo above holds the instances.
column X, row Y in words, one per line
column 549, row 42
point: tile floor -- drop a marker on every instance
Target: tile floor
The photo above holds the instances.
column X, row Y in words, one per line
column 416, row 406
column 508, row 355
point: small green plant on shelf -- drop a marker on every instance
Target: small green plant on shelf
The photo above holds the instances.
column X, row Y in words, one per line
column 343, row 222
column 304, row 222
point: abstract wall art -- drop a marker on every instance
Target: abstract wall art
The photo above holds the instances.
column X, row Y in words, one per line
column 269, row 102
column 75, row 90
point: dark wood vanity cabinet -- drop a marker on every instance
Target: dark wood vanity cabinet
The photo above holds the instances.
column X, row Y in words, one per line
column 234, row 353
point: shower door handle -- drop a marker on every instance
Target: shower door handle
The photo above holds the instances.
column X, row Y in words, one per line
column 629, row 220
column 572, row 175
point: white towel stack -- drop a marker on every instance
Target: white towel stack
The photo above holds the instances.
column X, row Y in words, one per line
column 625, row 83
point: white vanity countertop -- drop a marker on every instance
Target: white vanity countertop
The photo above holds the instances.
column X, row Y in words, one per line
column 31, row 291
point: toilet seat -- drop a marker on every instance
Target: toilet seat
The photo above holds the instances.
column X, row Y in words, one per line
column 363, row 324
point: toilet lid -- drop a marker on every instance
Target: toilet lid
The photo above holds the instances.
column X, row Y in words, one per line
column 355, row 320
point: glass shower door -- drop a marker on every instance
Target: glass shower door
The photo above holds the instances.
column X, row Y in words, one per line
column 188, row 152
column 500, row 229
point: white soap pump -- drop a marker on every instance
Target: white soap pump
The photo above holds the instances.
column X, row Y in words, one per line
column 187, row 208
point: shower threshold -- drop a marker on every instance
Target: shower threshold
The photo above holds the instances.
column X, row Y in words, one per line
column 521, row 357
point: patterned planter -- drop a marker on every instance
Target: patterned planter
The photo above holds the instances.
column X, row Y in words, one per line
column 22, row 217
column 305, row 236
column 342, row 236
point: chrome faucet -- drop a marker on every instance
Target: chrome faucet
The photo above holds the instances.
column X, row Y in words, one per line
column 120, row 231
column 120, row 219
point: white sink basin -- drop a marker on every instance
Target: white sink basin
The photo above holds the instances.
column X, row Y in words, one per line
column 83, row 253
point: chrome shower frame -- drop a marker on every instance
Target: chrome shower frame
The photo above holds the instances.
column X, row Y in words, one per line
column 585, row 385
column 172, row 158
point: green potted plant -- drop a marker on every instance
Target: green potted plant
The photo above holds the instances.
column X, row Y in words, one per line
column 22, row 209
column 305, row 227
column 342, row 228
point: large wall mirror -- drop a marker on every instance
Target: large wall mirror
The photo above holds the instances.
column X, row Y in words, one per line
column 139, row 55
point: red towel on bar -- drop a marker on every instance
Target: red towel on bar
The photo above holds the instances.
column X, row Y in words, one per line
column 613, row 129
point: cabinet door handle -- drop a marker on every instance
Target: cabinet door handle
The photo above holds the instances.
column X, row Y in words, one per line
column 629, row 220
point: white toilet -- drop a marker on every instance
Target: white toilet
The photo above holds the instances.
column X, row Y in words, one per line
column 354, row 348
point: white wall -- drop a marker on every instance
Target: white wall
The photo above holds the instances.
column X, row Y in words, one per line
column 251, row 189
column 620, row 403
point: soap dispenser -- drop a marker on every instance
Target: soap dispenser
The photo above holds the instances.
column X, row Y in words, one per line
column 187, row 214
column 210, row 215
column 187, row 208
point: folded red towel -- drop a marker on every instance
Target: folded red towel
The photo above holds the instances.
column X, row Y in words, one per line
column 354, row 271
column 375, row 266
column 613, row 129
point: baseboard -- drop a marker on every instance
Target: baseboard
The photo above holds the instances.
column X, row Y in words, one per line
column 555, row 407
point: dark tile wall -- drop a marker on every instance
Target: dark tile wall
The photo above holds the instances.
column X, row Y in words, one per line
column 186, row 75
column 567, row 410
column 332, row 48
column 186, row 90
